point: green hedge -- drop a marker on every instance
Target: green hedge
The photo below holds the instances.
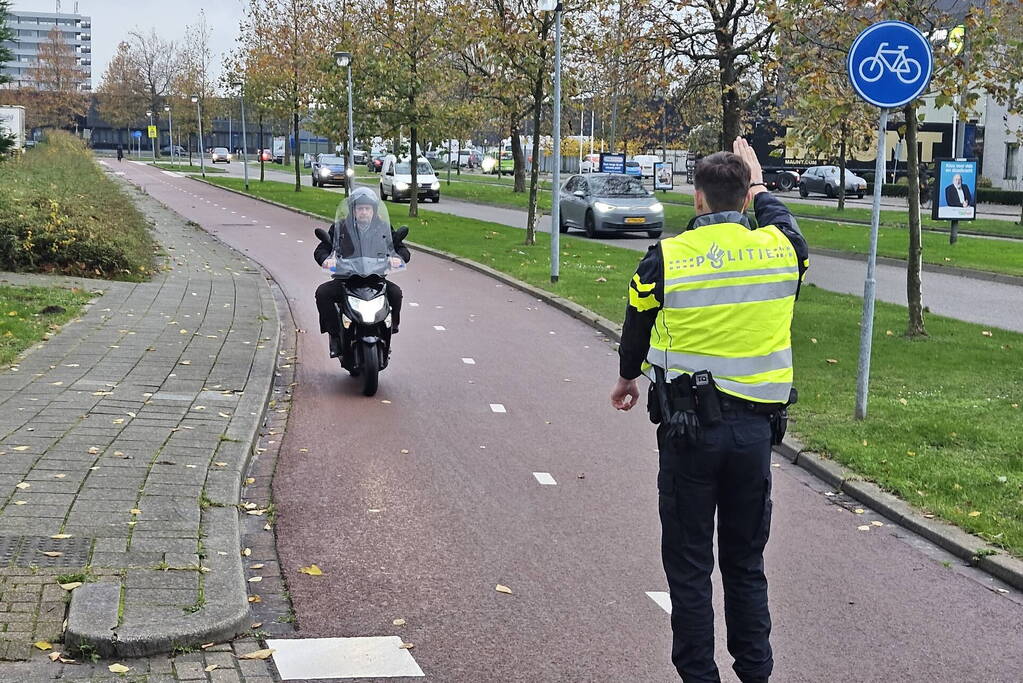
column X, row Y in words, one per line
column 60, row 213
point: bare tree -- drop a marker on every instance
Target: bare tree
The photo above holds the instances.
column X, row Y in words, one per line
column 58, row 76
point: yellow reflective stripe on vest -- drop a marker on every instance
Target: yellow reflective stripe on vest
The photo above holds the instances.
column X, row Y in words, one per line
column 728, row 300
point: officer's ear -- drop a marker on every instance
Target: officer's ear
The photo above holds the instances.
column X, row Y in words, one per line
column 699, row 202
column 746, row 202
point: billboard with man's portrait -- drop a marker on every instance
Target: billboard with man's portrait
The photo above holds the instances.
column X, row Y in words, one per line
column 955, row 190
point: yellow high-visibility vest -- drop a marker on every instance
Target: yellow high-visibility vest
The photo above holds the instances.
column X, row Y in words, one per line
column 729, row 293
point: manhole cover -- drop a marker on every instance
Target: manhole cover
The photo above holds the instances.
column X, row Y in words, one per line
column 31, row 551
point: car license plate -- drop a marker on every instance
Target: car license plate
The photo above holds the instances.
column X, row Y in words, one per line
column 635, row 219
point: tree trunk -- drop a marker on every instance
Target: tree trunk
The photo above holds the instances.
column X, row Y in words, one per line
column 534, row 165
column 518, row 159
column 841, row 169
column 914, row 296
column 298, row 151
column 731, row 116
column 413, row 191
column 614, row 122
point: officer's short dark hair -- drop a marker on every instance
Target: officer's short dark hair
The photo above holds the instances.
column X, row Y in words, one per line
column 724, row 179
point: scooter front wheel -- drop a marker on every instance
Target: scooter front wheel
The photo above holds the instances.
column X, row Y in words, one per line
column 370, row 369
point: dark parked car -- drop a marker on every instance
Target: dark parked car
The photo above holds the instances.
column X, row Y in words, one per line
column 825, row 180
column 598, row 202
column 329, row 169
column 177, row 150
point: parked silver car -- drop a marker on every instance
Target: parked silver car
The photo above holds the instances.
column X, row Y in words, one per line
column 825, row 179
column 609, row 202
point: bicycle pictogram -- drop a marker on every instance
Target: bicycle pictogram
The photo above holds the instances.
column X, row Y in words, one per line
column 894, row 60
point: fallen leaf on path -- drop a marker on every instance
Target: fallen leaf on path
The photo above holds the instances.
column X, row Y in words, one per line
column 255, row 598
column 255, row 579
column 903, row 401
column 23, row 485
column 859, row 511
column 250, row 480
column 54, row 656
column 406, row 646
column 256, row 624
column 42, row 645
column 135, row 511
column 987, row 333
column 68, row 660
column 311, row 570
column 70, row 586
column 220, row 464
column 210, row 668
column 258, row 654
column 257, row 566
column 51, row 553
column 61, row 536
column 831, row 361
column 246, row 552
column 404, row 451
column 386, row 402
column 118, row 669
column 93, row 451
column 975, row 513
column 21, row 448
column 865, row 527
column 398, row 622
column 876, row 523
column 503, row 589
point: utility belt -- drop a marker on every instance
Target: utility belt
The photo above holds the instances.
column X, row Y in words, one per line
column 691, row 402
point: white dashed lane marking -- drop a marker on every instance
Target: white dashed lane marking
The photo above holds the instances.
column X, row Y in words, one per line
column 439, row 328
column 545, row 478
column 497, row 408
column 367, row 657
column 661, row 598
column 469, row 361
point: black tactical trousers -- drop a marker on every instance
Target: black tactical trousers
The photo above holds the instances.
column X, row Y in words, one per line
column 727, row 470
column 331, row 291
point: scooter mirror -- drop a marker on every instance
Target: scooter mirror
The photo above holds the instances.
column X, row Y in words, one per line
column 322, row 235
column 401, row 233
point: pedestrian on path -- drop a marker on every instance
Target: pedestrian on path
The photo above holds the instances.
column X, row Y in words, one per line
column 708, row 321
column 120, row 153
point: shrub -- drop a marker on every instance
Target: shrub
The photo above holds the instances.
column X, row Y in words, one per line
column 60, row 213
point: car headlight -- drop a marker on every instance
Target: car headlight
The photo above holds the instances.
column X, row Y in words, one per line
column 657, row 207
column 401, row 187
column 435, row 185
column 370, row 311
column 349, row 172
column 488, row 164
column 603, row 207
column 324, row 172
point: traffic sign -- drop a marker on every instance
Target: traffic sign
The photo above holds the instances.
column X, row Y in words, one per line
column 152, row 131
column 890, row 64
column 136, row 133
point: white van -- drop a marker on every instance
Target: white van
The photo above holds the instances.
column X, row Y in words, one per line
column 396, row 176
column 646, row 164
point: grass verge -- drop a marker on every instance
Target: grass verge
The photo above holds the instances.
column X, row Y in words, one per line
column 60, row 213
column 188, row 168
column 33, row 314
column 996, row 256
column 944, row 427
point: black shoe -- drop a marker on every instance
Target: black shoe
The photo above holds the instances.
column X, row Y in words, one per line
column 335, row 346
column 394, row 330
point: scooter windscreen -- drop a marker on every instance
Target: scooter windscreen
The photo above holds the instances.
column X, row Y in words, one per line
column 362, row 237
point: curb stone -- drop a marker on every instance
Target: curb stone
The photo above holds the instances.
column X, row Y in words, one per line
column 95, row 608
column 953, row 539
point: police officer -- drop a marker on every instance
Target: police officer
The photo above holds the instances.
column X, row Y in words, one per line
column 708, row 321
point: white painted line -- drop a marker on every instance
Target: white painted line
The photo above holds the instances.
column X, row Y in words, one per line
column 439, row 328
column 412, row 304
column 498, row 408
column 118, row 172
column 368, row 657
column 661, row 598
column 469, row 361
column 172, row 174
column 545, row 478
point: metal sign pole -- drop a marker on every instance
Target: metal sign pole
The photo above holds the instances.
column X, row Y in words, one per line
column 867, row 322
column 556, row 179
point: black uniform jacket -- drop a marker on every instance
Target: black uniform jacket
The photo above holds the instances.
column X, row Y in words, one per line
column 324, row 249
column 636, row 329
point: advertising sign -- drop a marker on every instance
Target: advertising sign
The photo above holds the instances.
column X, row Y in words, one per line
column 664, row 175
column 955, row 190
column 278, row 147
column 612, row 163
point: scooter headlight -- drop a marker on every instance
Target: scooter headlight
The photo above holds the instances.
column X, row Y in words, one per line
column 371, row 311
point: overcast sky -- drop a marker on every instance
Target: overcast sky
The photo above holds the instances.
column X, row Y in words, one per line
column 113, row 19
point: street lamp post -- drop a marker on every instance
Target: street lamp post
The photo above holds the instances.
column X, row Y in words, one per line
column 245, row 158
column 198, row 113
column 344, row 60
column 556, row 7
column 152, row 140
column 170, row 131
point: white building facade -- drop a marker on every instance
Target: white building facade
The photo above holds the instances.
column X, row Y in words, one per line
column 32, row 29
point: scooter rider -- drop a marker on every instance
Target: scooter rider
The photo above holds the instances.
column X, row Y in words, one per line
column 364, row 217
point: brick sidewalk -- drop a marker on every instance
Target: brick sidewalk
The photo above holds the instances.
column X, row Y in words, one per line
column 123, row 443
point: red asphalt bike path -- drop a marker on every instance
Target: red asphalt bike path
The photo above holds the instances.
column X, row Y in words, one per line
column 426, row 535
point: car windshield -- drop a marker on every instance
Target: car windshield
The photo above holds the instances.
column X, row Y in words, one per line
column 617, row 186
column 506, row 156
column 404, row 168
column 332, row 160
column 220, row 150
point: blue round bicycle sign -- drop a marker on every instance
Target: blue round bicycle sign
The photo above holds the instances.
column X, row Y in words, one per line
column 890, row 64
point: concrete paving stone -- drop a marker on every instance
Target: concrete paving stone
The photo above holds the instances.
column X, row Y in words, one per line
column 163, row 545
column 189, row 671
column 225, row 660
column 110, row 545
column 126, row 560
column 225, row 676
column 169, row 579
column 157, row 596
